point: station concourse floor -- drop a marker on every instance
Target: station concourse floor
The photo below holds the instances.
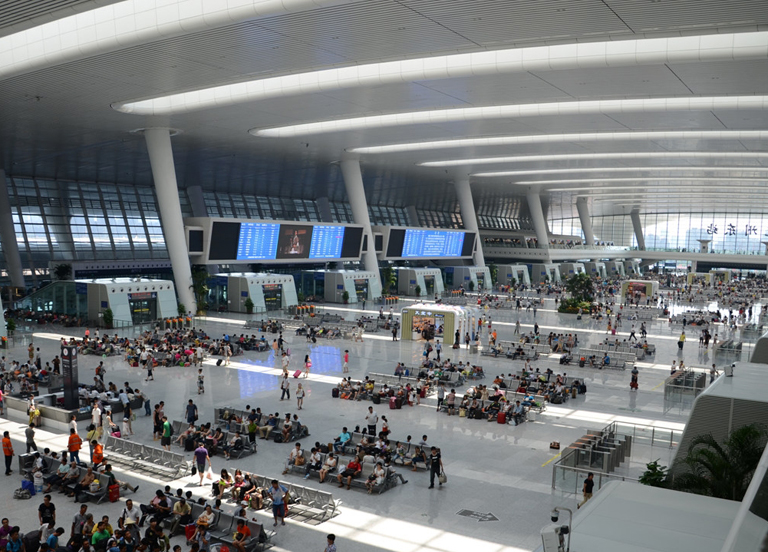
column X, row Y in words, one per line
column 491, row 468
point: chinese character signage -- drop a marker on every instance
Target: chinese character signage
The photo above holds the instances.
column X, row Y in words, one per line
column 69, row 372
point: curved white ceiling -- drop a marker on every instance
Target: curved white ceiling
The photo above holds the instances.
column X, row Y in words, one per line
column 623, row 53
column 129, row 23
column 683, row 168
column 571, row 137
column 646, row 179
column 496, row 112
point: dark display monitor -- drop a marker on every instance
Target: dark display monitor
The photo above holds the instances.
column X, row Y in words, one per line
column 432, row 244
column 294, row 241
column 351, row 247
column 469, row 244
column 395, row 243
column 196, row 241
column 225, row 237
column 257, row 241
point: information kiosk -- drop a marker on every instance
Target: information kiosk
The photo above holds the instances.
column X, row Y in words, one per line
column 699, row 278
column 640, row 289
column 545, row 272
column 359, row 284
column 436, row 321
column 429, row 281
column 596, row 269
column 268, row 292
column 570, row 269
column 632, row 267
column 519, row 273
column 480, row 276
column 615, row 268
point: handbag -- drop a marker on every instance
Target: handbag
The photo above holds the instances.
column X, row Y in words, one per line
column 300, row 461
column 208, row 474
column 442, row 478
column 462, row 412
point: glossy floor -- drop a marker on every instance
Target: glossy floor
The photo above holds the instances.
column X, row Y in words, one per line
column 503, row 470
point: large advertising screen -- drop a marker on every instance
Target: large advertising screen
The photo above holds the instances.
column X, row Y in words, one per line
column 294, row 241
column 326, row 242
column 257, row 241
column 432, row 243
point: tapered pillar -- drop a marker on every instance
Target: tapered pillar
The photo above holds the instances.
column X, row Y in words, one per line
column 413, row 215
column 539, row 222
column 324, row 209
column 638, row 227
column 467, row 207
column 8, row 237
column 167, row 190
column 586, row 222
column 197, row 201
column 353, row 182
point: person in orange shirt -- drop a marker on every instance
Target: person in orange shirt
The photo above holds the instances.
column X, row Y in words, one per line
column 98, row 452
column 74, row 445
column 7, row 452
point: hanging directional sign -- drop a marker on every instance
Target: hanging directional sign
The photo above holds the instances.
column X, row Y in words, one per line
column 479, row 516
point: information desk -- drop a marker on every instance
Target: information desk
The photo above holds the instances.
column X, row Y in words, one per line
column 437, row 321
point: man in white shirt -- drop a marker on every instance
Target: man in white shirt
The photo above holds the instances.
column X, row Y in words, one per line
column 96, row 415
column 371, row 419
column 123, row 396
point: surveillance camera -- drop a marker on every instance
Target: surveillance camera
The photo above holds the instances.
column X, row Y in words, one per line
column 554, row 516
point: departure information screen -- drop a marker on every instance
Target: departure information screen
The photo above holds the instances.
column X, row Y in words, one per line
column 432, row 243
column 257, row 241
column 326, row 242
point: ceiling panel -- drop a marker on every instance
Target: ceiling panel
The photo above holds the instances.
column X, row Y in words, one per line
column 648, row 15
column 17, row 15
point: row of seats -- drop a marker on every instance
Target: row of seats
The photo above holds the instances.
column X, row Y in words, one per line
column 276, row 433
column 50, row 465
column 248, row 447
column 390, row 480
column 144, row 458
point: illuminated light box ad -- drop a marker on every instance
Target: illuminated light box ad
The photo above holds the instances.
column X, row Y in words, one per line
column 257, row 241
column 326, row 242
column 294, row 241
column 432, row 243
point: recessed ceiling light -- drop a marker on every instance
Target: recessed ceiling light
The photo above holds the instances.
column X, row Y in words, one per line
column 572, row 137
column 670, row 179
column 682, row 168
column 496, row 112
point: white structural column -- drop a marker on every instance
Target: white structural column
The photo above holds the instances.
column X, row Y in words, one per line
column 539, row 222
column 197, row 201
column 413, row 215
column 467, row 206
column 586, row 222
column 324, row 209
column 164, row 175
column 638, row 227
column 353, row 182
column 8, row 236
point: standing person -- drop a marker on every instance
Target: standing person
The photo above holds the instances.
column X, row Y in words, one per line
column 371, row 419
column 200, row 381
column 438, row 348
column 147, row 362
column 201, row 459
column 440, row 395
column 346, row 361
column 307, row 365
column 451, row 401
column 30, row 435
column 394, row 332
column 300, row 396
column 435, row 467
column 167, row 432
column 279, row 495
column 681, row 341
column 74, row 445
column 141, row 395
column 331, row 540
column 285, row 361
column 713, row 373
column 285, row 388
column 589, row 484
column 191, row 412
column 8, row 452
column 517, row 327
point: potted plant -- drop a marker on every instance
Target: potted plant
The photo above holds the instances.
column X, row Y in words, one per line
column 182, row 309
column 63, row 271
column 471, row 285
column 345, row 297
column 108, row 317
column 10, row 326
column 248, row 305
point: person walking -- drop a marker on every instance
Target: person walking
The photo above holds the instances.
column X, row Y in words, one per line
column 74, row 445
column 30, row 435
column 681, row 341
column 435, row 467
column 285, row 387
column 200, row 381
column 331, row 543
column 440, row 395
column 279, row 495
column 300, row 396
column 8, row 452
column 307, row 365
column 438, row 348
column 191, row 412
column 201, row 459
column 713, row 373
column 589, row 484
column 371, row 420
column 346, row 361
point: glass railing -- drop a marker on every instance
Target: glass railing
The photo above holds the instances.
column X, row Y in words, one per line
column 713, row 252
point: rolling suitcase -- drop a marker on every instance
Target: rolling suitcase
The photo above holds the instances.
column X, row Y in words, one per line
column 392, row 403
column 113, row 491
column 218, row 362
column 335, row 392
column 574, row 392
column 296, row 374
column 376, row 398
column 398, row 403
column 501, row 418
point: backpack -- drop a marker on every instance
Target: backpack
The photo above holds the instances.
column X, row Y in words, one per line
column 21, row 494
